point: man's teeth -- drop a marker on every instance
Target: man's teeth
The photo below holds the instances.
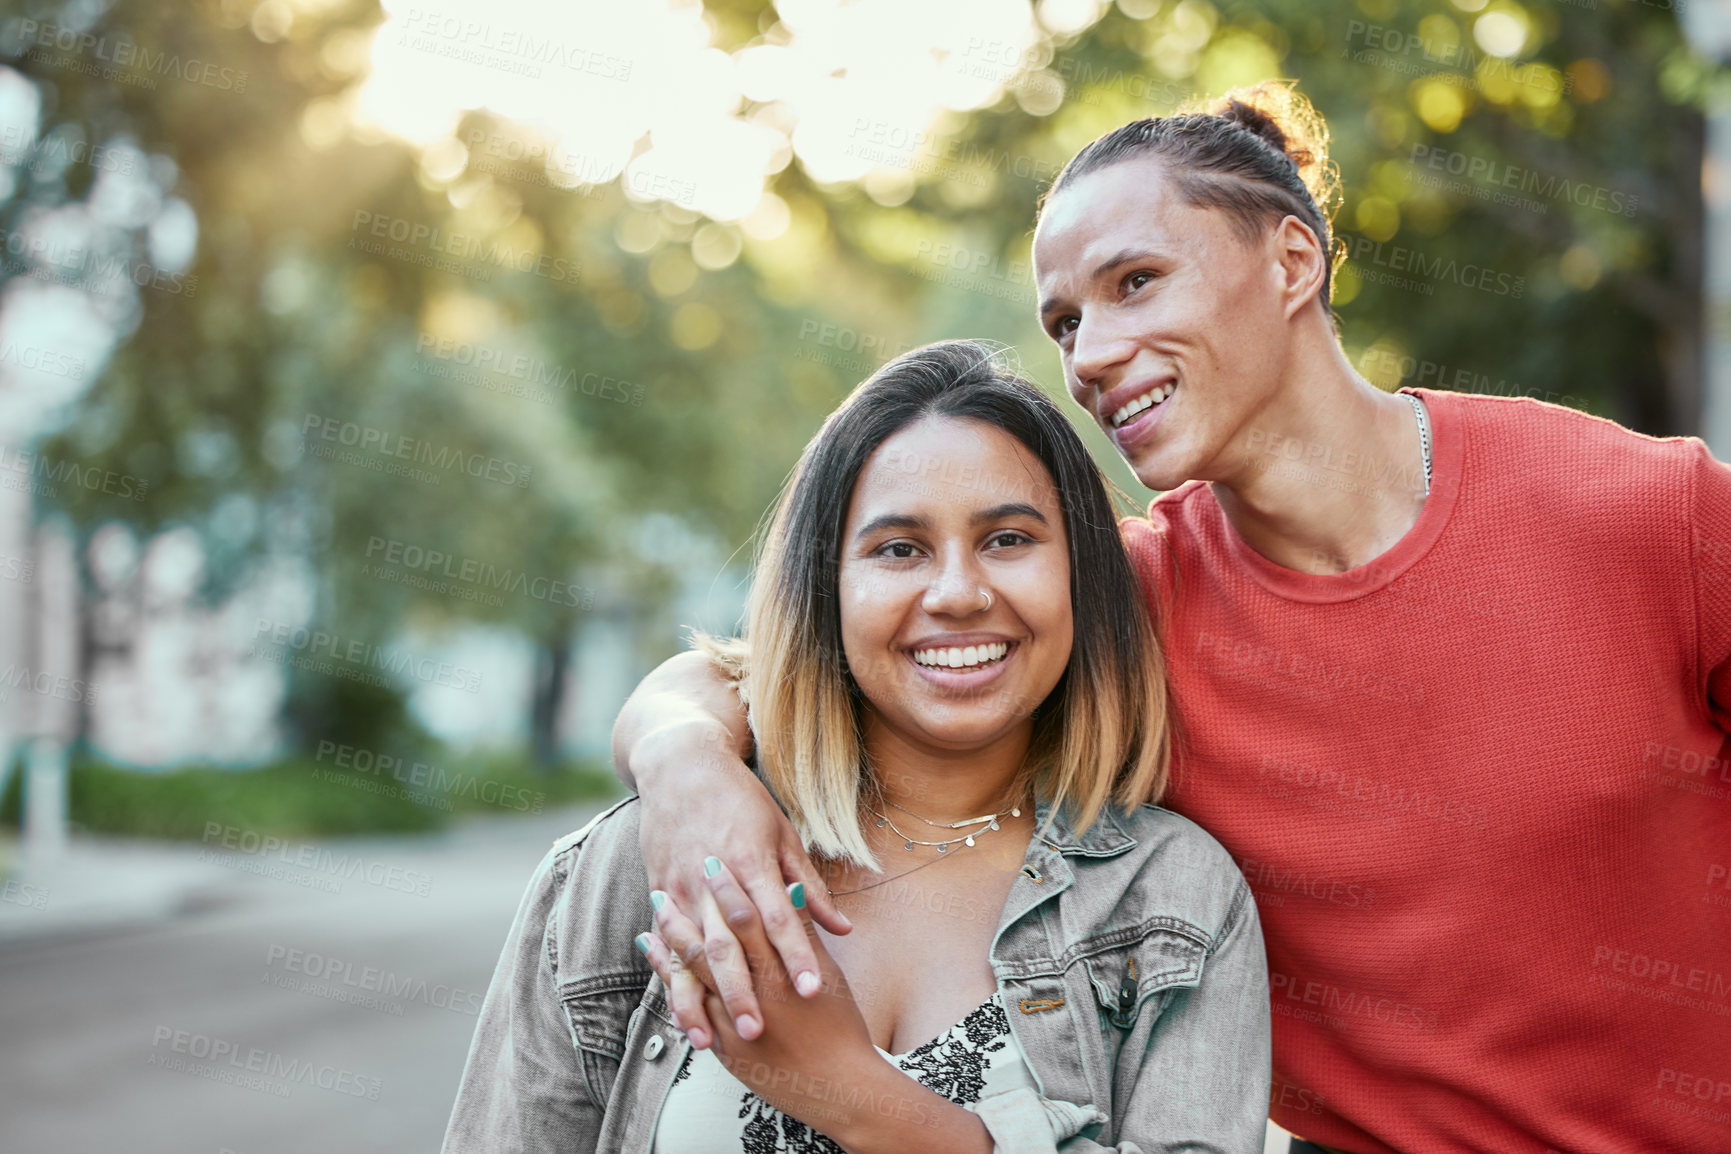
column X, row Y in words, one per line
column 965, row 658
column 1145, row 401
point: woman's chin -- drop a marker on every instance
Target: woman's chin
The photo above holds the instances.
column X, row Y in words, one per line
column 963, row 734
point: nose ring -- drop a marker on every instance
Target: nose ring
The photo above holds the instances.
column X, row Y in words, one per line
column 988, row 594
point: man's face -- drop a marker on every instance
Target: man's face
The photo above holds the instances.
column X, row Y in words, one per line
column 1172, row 326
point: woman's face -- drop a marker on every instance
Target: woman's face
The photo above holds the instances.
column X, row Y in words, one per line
column 1151, row 297
column 945, row 512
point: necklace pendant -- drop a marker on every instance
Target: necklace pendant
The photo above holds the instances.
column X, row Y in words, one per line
column 969, row 841
column 880, row 823
column 944, row 847
column 910, row 846
column 994, row 824
column 1016, row 813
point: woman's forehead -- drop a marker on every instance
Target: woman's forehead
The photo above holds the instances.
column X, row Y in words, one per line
column 954, row 461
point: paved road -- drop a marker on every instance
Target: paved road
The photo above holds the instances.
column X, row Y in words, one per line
column 104, row 1032
column 108, row 1036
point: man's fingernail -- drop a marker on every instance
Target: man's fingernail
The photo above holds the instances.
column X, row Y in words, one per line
column 743, row 1023
column 643, row 943
column 797, row 893
column 657, row 899
column 807, row 983
column 711, row 866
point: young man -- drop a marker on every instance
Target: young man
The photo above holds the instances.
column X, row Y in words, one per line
column 1452, row 677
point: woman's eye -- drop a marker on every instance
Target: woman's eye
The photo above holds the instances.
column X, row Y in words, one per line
column 897, row 549
column 1008, row 540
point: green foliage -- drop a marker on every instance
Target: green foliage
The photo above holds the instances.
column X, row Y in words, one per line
column 719, row 378
column 307, row 798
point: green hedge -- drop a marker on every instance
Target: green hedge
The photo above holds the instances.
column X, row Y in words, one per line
column 303, row 797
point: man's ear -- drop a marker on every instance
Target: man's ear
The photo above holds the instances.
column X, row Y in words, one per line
column 1302, row 261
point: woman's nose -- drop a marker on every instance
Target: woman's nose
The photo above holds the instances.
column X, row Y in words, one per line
column 957, row 593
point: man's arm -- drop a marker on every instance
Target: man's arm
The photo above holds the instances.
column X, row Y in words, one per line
column 680, row 742
column 685, row 704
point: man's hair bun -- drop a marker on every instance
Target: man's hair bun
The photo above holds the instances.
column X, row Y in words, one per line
column 1275, row 112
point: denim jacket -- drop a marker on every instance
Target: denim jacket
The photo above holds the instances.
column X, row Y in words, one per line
column 1129, row 957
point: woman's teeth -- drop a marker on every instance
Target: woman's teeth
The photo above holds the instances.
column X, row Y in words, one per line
column 1145, row 401
column 969, row 657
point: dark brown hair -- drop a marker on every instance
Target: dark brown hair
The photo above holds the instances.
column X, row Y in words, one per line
column 1259, row 153
column 1107, row 739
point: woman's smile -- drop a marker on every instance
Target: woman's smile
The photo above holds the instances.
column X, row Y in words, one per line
column 963, row 662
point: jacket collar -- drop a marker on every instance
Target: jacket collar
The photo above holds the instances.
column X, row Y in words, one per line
column 1105, row 838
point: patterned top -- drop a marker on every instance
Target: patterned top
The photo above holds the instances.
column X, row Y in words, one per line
column 708, row 1111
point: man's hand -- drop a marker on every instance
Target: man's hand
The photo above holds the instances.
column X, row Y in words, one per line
column 680, row 739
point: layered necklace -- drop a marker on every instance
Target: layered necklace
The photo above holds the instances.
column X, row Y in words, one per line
column 987, row 824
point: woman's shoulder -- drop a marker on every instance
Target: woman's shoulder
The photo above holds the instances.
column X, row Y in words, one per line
column 1173, row 869
column 604, row 851
column 594, row 890
column 603, row 832
column 1172, row 835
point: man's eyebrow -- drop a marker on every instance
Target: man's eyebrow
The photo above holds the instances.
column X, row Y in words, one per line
column 1122, row 256
column 1010, row 509
column 890, row 521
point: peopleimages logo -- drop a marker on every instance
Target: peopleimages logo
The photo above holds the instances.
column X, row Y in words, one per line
column 340, row 980
column 336, row 865
column 127, row 54
column 1371, row 255
column 263, row 1064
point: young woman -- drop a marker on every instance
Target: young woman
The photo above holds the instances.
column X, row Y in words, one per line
column 964, row 733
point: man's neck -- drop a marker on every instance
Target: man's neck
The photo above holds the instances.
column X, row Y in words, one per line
column 1330, row 474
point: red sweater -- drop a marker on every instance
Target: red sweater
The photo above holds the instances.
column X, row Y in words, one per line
column 1481, row 788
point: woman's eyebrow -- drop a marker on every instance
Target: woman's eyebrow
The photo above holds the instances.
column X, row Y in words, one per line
column 910, row 521
column 890, row 521
column 1012, row 509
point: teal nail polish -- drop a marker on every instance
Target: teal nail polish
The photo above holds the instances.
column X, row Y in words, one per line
column 657, row 899
column 711, row 866
column 797, row 893
column 643, row 943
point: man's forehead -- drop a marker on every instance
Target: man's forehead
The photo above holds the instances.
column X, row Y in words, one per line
column 1123, row 205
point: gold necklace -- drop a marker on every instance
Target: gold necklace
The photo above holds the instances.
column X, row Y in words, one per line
column 943, row 846
column 990, row 821
column 876, row 884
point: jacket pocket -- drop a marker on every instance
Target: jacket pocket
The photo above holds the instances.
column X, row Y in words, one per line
column 600, row 1010
column 1139, row 975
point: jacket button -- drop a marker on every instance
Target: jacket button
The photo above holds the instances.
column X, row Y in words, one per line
column 653, row 1047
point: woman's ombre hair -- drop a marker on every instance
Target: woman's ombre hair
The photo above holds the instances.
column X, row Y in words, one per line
column 1101, row 736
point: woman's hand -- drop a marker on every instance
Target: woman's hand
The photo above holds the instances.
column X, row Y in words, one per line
column 814, row 1059
column 700, row 965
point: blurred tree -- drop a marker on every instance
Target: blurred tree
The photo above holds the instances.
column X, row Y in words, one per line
column 619, row 357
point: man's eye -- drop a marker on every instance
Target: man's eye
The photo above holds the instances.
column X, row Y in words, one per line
column 1062, row 327
column 1137, row 279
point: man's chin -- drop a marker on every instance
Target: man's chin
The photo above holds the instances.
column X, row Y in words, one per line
column 1158, row 471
